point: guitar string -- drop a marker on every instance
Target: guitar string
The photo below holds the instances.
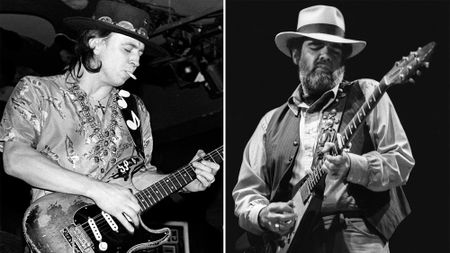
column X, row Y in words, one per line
column 102, row 223
column 377, row 94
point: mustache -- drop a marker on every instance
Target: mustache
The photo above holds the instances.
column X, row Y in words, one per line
column 323, row 63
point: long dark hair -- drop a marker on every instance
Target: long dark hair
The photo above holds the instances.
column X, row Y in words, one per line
column 84, row 53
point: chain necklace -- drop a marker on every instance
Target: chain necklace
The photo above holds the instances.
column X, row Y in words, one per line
column 104, row 139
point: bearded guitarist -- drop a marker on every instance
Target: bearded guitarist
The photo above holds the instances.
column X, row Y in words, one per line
column 78, row 133
column 360, row 202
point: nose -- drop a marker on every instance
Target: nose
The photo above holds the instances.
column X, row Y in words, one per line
column 134, row 60
column 324, row 54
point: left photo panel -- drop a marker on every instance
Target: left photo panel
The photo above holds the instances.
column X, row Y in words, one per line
column 111, row 131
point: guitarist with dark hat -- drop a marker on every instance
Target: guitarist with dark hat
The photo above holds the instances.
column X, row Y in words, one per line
column 74, row 133
column 357, row 206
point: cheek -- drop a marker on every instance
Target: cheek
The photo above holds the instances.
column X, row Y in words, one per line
column 305, row 64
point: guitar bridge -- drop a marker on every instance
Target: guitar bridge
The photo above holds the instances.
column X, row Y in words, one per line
column 78, row 239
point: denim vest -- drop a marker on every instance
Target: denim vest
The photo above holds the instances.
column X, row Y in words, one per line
column 384, row 210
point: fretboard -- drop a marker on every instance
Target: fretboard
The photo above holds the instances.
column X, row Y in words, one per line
column 174, row 182
column 347, row 134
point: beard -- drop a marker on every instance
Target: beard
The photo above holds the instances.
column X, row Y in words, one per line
column 317, row 81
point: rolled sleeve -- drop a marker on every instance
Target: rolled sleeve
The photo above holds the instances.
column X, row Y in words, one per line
column 251, row 191
column 390, row 164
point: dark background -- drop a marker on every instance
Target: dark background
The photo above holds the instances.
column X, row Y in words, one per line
column 259, row 78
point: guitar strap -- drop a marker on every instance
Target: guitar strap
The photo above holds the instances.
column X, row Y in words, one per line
column 130, row 114
column 330, row 122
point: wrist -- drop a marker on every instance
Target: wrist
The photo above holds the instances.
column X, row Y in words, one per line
column 260, row 219
column 91, row 188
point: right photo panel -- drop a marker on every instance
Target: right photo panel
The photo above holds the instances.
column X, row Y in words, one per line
column 337, row 126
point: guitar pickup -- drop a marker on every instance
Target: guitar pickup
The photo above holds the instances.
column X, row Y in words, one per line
column 78, row 239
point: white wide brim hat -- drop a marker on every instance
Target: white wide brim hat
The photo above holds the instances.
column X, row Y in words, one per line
column 320, row 22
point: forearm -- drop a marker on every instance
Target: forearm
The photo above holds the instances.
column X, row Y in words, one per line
column 251, row 192
column 391, row 161
column 22, row 161
column 380, row 171
column 248, row 205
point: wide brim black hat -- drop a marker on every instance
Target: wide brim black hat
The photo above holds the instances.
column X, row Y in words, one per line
column 120, row 18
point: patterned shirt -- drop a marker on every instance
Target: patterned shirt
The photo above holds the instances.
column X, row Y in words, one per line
column 55, row 117
column 386, row 167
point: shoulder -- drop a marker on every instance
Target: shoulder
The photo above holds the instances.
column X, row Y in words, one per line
column 35, row 85
column 366, row 85
column 41, row 82
column 265, row 120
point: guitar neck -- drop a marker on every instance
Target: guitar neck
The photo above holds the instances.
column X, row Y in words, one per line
column 347, row 134
column 361, row 115
column 173, row 182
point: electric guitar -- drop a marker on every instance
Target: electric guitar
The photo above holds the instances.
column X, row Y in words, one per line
column 309, row 191
column 61, row 222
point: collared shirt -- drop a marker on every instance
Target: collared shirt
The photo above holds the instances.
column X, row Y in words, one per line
column 379, row 170
column 55, row 117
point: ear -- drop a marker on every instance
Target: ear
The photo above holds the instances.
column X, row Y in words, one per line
column 295, row 55
column 95, row 44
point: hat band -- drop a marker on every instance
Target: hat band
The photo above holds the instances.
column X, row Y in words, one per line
column 322, row 28
column 125, row 24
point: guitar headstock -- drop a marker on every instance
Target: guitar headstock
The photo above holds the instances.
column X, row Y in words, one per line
column 406, row 68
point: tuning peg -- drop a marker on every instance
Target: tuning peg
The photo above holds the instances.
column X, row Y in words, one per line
column 402, row 77
column 426, row 64
column 404, row 58
column 418, row 73
column 397, row 63
column 410, row 80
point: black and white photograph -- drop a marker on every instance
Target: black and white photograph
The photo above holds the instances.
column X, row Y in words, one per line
column 112, row 126
column 290, row 187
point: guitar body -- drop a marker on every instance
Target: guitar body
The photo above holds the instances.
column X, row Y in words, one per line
column 308, row 211
column 59, row 223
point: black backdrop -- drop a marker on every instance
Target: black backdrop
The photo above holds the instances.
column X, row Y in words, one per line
column 259, row 78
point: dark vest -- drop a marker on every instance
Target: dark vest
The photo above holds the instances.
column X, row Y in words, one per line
column 384, row 210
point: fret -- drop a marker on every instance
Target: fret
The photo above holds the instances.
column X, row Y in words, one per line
column 373, row 98
column 184, row 176
column 169, row 180
column 169, row 184
column 157, row 190
column 146, row 196
column 150, row 196
column 189, row 174
column 379, row 89
column 212, row 158
column 162, row 188
column 142, row 201
column 176, row 178
column 156, row 193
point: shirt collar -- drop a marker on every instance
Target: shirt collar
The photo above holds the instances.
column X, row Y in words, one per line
column 295, row 101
